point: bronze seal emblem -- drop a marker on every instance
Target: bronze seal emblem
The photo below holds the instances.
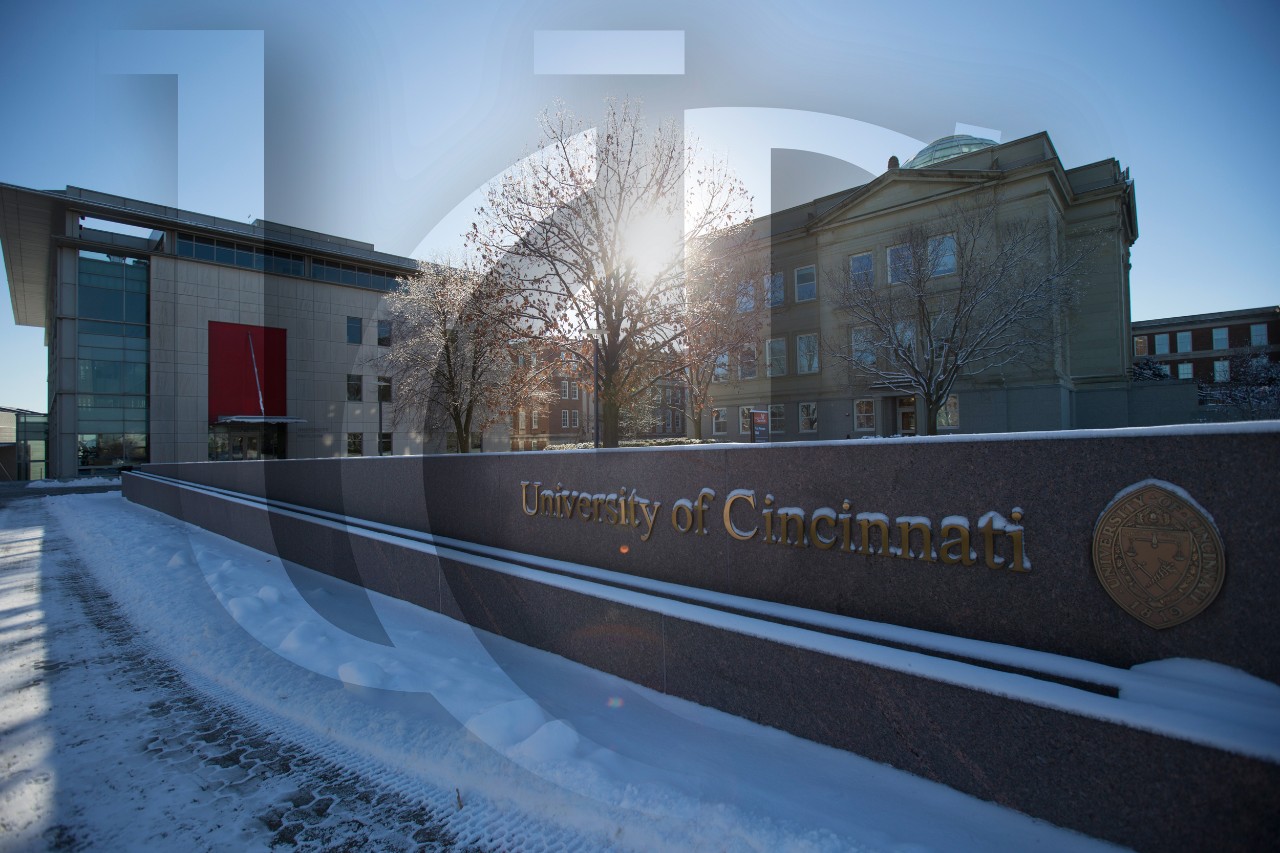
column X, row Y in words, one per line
column 1158, row 554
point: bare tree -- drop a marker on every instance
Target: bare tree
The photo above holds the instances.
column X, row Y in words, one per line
column 452, row 363
column 599, row 236
column 724, row 323
column 1248, row 387
column 970, row 291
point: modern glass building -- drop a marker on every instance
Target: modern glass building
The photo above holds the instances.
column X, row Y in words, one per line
column 178, row 337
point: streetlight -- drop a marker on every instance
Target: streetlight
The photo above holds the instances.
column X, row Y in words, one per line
column 596, row 334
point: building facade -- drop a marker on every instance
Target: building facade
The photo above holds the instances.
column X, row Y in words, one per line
column 178, row 337
column 23, row 438
column 1202, row 346
column 808, row 394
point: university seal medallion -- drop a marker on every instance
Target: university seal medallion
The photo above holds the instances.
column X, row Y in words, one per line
column 1158, row 554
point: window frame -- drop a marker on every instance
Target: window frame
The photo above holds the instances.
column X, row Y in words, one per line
column 769, row 357
column 355, row 324
column 564, row 419
column 858, row 416
column 1181, row 338
column 355, row 385
column 1222, row 370
column 777, row 418
column 817, row 359
column 1161, row 344
column 744, row 420
column 355, row 444
column 1225, row 338
column 800, row 417
column 720, row 414
column 384, row 333
column 775, row 289
column 384, row 389
column 1189, row 370
column 754, row 362
column 951, row 411
column 1256, row 339
column 795, row 281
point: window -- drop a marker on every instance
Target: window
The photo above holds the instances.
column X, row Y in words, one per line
column 744, row 420
column 384, row 444
column 355, row 388
column 861, row 348
column 861, row 270
column 1184, row 370
column 899, row 264
column 384, row 389
column 776, row 291
column 806, row 353
column 1184, row 341
column 564, row 389
column 1162, row 344
column 1220, row 338
column 354, row 330
column 355, row 444
column 384, row 333
column 864, row 413
column 1221, row 369
column 906, row 335
column 949, row 414
column 807, row 415
column 1140, row 345
column 746, row 297
column 776, row 357
column 720, row 369
column 1164, row 368
column 573, row 419
column 564, row 418
column 521, row 421
column 718, row 421
column 533, row 420
column 806, row 284
column 747, row 363
column 573, row 391
column 777, row 418
column 1258, row 335
column 942, row 251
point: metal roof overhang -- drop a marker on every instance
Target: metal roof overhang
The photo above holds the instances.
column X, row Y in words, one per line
column 259, row 419
column 28, row 221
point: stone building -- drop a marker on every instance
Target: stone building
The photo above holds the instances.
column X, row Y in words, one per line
column 808, row 396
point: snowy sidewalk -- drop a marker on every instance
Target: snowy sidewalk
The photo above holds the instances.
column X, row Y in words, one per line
column 105, row 747
column 163, row 688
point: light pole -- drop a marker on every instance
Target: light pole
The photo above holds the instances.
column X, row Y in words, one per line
column 596, row 334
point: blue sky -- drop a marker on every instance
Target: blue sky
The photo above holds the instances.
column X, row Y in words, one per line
column 374, row 120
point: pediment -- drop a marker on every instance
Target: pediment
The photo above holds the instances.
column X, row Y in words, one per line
column 904, row 187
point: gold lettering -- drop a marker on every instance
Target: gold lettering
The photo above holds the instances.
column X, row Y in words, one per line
column 907, row 526
column 1015, row 536
column 740, row 535
column 649, row 517
column 703, row 503
column 687, row 509
column 988, row 529
column 947, row 551
column 524, row 497
column 865, row 522
column 584, row 506
column 820, row 542
column 785, row 517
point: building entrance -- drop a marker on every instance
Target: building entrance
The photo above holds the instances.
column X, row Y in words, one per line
column 238, row 442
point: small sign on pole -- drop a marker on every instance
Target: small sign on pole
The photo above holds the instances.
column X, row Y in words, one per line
column 759, row 426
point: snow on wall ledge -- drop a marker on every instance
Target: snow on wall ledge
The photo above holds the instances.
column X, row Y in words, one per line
column 973, row 537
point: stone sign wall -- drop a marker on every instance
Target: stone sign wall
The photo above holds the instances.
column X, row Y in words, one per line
column 1118, row 547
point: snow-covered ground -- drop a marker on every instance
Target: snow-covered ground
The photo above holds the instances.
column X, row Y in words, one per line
column 162, row 688
column 77, row 483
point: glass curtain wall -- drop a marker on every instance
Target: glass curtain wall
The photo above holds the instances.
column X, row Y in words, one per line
column 112, row 351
